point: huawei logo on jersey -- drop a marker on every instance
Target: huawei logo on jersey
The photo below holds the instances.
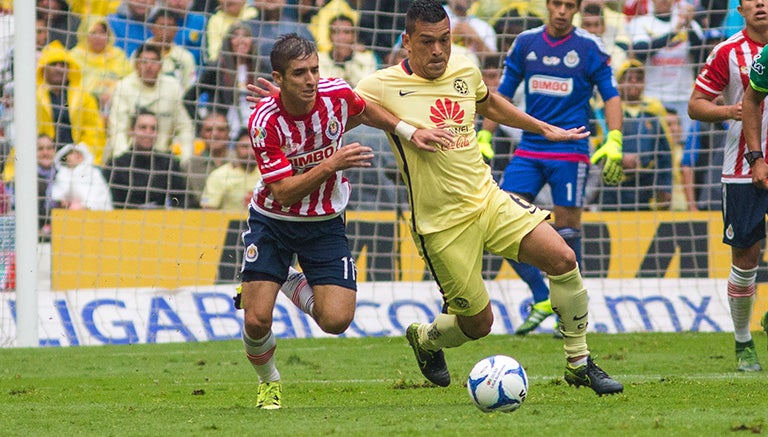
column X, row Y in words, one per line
column 445, row 110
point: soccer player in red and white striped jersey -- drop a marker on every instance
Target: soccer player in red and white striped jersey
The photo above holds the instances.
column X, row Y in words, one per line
column 726, row 73
column 297, row 207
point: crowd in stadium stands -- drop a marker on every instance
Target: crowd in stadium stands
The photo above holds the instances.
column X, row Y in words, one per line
column 124, row 86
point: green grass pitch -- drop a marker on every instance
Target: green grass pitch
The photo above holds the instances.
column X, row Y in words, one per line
column 675, row 384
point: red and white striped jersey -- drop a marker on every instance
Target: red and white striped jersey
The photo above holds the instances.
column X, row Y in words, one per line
column 287, row 145
column 726, row 72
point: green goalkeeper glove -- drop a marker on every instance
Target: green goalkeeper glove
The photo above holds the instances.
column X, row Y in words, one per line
column 612, row 172
column 484, row 142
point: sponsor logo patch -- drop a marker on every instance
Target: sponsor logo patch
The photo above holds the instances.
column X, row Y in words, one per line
column 550, row 85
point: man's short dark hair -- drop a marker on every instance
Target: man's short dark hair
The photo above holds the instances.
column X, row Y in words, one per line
column 139, row 112
column 289, row 47
column 592, row 10
column 149, row 47
column 426, row 11
column 165, row 12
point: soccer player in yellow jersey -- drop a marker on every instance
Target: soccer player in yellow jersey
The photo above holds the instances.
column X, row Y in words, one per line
column 457, row 209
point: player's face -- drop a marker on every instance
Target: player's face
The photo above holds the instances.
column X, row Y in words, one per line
column 429, row 48
column 561, row 14
column 298, row 86
column 755, row 13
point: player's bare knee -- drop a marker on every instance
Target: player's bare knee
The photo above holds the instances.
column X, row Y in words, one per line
column 255, row 326
column 334, row 325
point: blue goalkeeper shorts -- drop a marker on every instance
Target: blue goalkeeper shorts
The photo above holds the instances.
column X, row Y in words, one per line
column 527, row 176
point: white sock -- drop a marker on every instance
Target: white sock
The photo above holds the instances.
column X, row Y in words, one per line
column 299, row 292
column 741, row 297
column 261, row 354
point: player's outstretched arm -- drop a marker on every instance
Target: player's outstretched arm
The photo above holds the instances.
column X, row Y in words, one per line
column 502, row 111
column 752, row 126
column 424, row 139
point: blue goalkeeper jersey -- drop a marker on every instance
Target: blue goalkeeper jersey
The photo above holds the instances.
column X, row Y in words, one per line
column 560, row 76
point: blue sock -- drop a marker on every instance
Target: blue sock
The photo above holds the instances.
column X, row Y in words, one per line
column 532, row 276
column 572, row 237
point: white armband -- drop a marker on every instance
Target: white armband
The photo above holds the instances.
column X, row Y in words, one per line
column 405, row 130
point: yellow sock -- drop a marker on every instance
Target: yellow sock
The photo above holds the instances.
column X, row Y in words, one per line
column 569, row 301
column 443, row 332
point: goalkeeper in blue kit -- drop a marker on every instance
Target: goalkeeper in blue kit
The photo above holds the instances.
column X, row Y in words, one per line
column 559, row 65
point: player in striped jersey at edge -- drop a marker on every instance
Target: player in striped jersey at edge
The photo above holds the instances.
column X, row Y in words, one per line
column 297, row 207
column 727, row 73
column 458, row 211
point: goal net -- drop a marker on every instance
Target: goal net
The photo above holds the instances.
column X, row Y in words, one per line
column 149, row 271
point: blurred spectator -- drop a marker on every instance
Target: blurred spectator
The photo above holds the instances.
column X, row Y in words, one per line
column 469, row 31
column 45, row 175
column 229, row 12
column 510, row 21
column 487, row 9
column 647, row 157
column 270, row 25
column 102, row 63
column 614, row 23
column 663, row 41
column 144, row 177
column 230, row 186
column 191, row 28
column 214, row 138
column 61, row 23
column 79, row 184
column 221, row 85
column 381, row 23
column 347, row 58
column 129, row 24
column 86, row 8
column 178, row 62
column 593, row 20
column 66, row 112
column 146, row 88
column 320, row 22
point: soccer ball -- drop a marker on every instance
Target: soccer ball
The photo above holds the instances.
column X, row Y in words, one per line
column 497, row 383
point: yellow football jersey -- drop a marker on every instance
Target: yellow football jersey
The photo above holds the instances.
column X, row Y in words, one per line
column 452, row 185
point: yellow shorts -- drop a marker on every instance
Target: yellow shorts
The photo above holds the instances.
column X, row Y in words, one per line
column 455, row 255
